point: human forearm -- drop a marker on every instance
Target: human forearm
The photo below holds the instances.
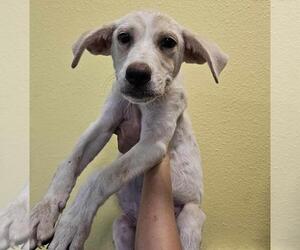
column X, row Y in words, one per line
column 156, row 227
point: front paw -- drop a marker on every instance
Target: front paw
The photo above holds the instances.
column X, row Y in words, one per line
column 71, row 232
column 42, row 221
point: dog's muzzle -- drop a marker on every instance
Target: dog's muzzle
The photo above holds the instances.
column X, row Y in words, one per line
column 138, row 83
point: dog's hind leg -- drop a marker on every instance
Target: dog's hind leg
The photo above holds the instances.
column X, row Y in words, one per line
column 123, row 233
column 190, row 222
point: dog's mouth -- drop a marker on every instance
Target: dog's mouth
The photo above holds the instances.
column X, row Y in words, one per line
column 139, row 95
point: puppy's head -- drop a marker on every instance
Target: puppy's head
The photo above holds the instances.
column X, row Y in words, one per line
column 148, row 49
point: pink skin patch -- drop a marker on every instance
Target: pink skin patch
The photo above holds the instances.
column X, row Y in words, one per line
column 128, row 132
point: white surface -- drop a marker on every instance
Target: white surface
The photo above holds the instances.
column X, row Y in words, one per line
column 14, row 98
column 285, row 136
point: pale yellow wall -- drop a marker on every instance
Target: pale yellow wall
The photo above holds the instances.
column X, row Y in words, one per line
column 285, row 134
column 231, row 120
column 14, row 99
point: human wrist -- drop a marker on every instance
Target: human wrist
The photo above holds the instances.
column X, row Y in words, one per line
column 157, row 181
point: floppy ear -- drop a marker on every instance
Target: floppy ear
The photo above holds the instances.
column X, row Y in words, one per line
column 197, row 50
column 97, row 42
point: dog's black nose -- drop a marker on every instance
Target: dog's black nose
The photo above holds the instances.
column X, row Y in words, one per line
column 138, row 74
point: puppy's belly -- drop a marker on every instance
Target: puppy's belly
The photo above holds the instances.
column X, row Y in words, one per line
column 184, row 190
column 186, row 174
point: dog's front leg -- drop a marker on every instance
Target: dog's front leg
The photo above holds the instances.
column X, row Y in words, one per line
column 74, row 226
column 44, row 215
column 157, row 130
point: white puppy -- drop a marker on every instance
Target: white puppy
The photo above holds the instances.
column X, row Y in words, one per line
column 147, row 49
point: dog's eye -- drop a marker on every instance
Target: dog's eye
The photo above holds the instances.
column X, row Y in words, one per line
column 167, row 43
column 124, row 37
